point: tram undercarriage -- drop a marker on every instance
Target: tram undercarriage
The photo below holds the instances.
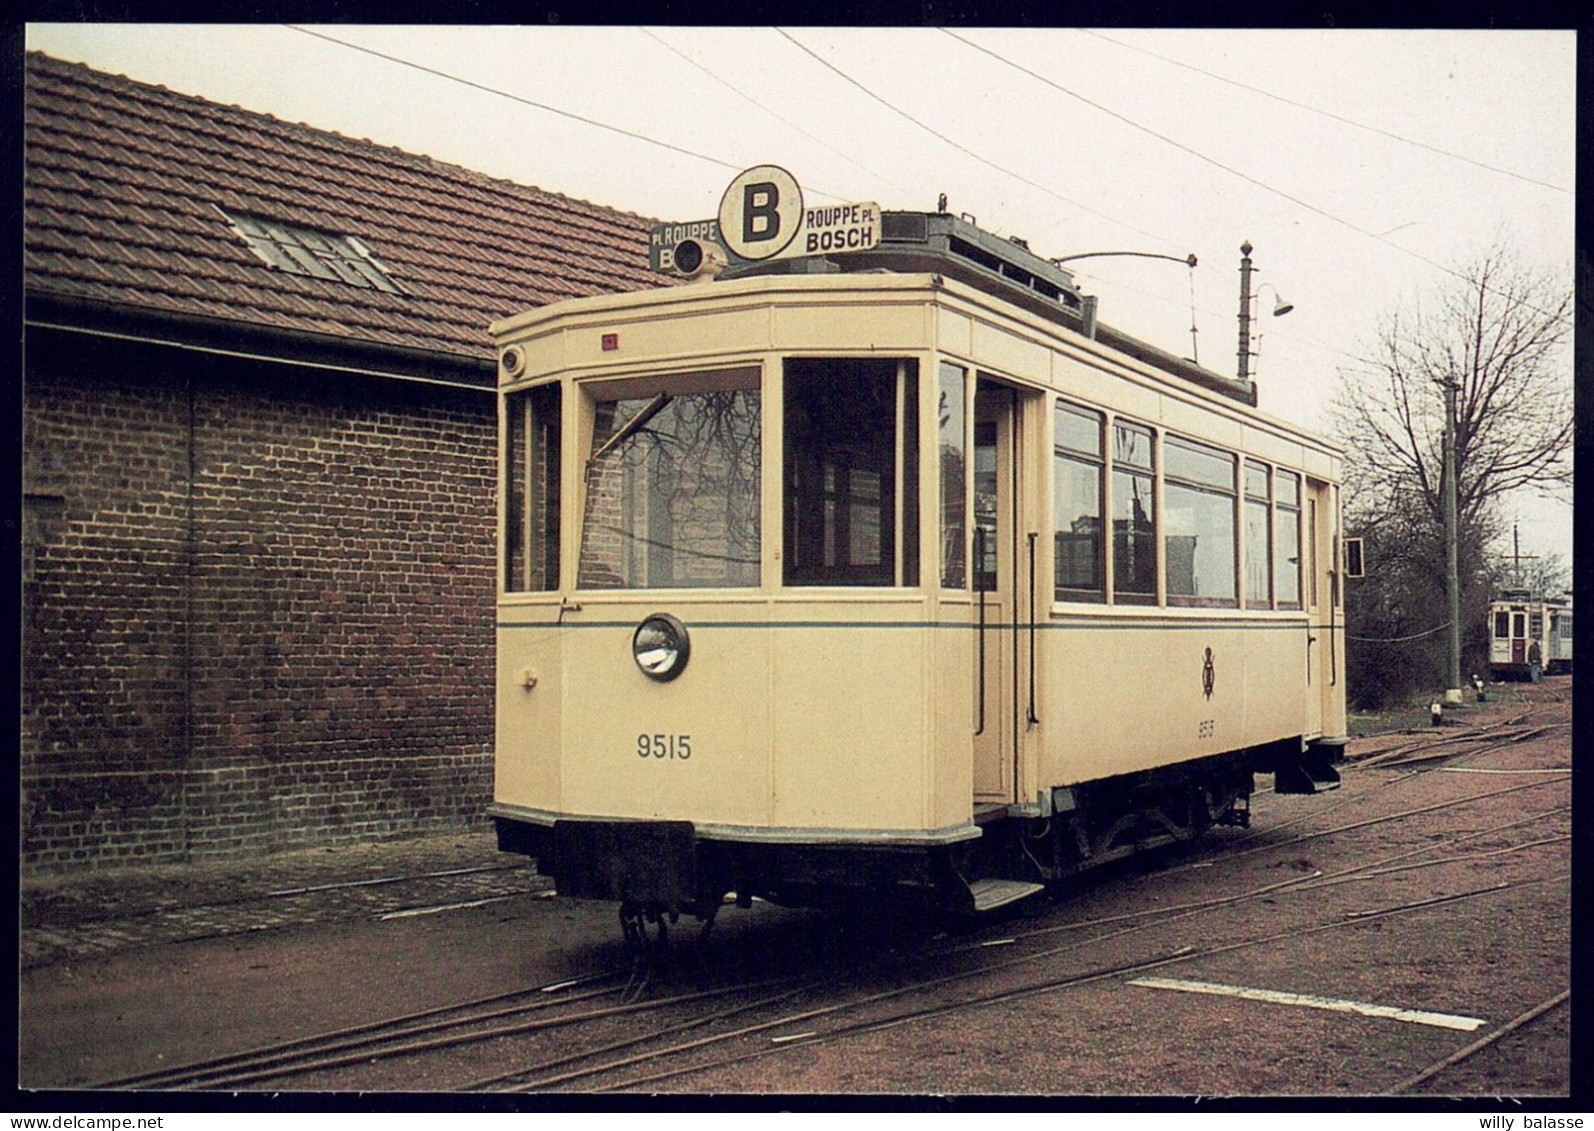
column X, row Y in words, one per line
column 658, row 869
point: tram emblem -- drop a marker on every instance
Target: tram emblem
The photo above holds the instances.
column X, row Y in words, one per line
column 1209, row 675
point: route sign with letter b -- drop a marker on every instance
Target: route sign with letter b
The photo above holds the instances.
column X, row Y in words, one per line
column 761, row 212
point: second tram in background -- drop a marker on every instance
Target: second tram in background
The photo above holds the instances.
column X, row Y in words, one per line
column 892, row 572
column 1519, row 622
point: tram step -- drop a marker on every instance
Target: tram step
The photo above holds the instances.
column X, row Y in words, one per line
column 1305, row 777
column 991, row 894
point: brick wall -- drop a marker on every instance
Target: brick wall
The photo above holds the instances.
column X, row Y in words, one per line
column 258, row 606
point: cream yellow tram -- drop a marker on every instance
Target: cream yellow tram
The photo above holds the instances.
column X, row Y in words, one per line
column 1527, row 632
column 893, row 573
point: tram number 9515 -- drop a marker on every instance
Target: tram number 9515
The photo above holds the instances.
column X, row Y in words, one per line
column 677, row 747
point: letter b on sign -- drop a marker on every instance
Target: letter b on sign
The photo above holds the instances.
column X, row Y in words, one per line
column 760, row 218
column 761, row 212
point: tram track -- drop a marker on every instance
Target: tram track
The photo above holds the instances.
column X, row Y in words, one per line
column 352, row 1037
column 566, row 1068
column 462, row 1024
column 1521, row 1020
column 492, row 1019
column 1004, row 995
column 410, row 1035
column 1230, row 852
column 97, row 920
column 1127, row 924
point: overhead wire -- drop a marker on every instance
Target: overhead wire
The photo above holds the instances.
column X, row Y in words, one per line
column 734, row 89
column 684, row 151
column 999, row 168
column 961, row 148
column 1198, row 155
column 461, row 80
column 596, row 123
column 1325, row 113
column 512, row 97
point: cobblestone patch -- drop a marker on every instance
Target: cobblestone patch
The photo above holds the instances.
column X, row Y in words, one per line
column 97, row 913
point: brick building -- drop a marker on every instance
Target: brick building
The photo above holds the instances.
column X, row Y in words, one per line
column 259, row 446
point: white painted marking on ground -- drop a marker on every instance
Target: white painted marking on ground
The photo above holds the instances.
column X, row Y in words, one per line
column 411, row 912
column 1312, row 1001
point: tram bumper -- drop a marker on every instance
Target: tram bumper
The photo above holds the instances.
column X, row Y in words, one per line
column 653, row 863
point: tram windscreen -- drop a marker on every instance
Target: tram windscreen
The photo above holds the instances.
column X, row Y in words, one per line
column 673, row 498
column 843, row 443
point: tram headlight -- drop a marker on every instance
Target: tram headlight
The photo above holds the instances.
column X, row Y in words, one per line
column 688, row 257
column 660, row 647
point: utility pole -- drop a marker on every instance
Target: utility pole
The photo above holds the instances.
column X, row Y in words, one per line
column 1452, row 546
column 1517, row 555
column 1245, row 311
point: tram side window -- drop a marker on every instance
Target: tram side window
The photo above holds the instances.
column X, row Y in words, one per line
column 952, row 446
column 531, row 490
column 1076, row 495
column 1134, row 525
column 1258, row 547
column 1287, row 539
column 842, row 444
column 1198, row 510
column 673, row 485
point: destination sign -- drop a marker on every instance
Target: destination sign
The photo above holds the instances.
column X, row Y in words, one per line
column 763, row 218
column 666, row 237
column 838, row 227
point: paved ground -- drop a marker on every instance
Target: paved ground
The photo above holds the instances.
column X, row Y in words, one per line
column 78, row 915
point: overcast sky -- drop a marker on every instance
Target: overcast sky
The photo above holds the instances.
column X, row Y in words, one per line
column 1360, row 164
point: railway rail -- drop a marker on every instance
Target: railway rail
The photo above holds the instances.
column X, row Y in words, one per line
column 1384, row 845
column 1305, row 885
column 602, row 1060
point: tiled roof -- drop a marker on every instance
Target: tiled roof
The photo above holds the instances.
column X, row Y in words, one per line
column 123, row 182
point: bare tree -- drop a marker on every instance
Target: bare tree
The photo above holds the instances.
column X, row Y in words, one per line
column 1498, row 333
column 1546, row 575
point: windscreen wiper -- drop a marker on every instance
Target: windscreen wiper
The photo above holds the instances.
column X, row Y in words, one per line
column 632, row 426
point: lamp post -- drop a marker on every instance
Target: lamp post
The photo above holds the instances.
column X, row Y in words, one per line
column 1280, row 308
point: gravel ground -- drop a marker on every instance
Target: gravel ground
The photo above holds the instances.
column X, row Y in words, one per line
column 141, row 968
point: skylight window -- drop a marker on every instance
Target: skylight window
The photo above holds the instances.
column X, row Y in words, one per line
column 305, row 251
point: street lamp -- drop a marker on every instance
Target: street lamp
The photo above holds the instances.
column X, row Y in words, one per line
column 1281, row 307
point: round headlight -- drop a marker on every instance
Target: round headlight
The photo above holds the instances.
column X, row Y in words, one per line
column 661, row 647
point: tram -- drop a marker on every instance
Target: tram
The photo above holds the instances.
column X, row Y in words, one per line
column 891, row 573
column 1520, row 620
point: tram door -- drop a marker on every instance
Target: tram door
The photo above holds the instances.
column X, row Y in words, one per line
column 1003, row 588
column 1319, row 644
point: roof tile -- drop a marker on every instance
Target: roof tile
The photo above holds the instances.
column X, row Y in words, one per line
column 126, row 185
